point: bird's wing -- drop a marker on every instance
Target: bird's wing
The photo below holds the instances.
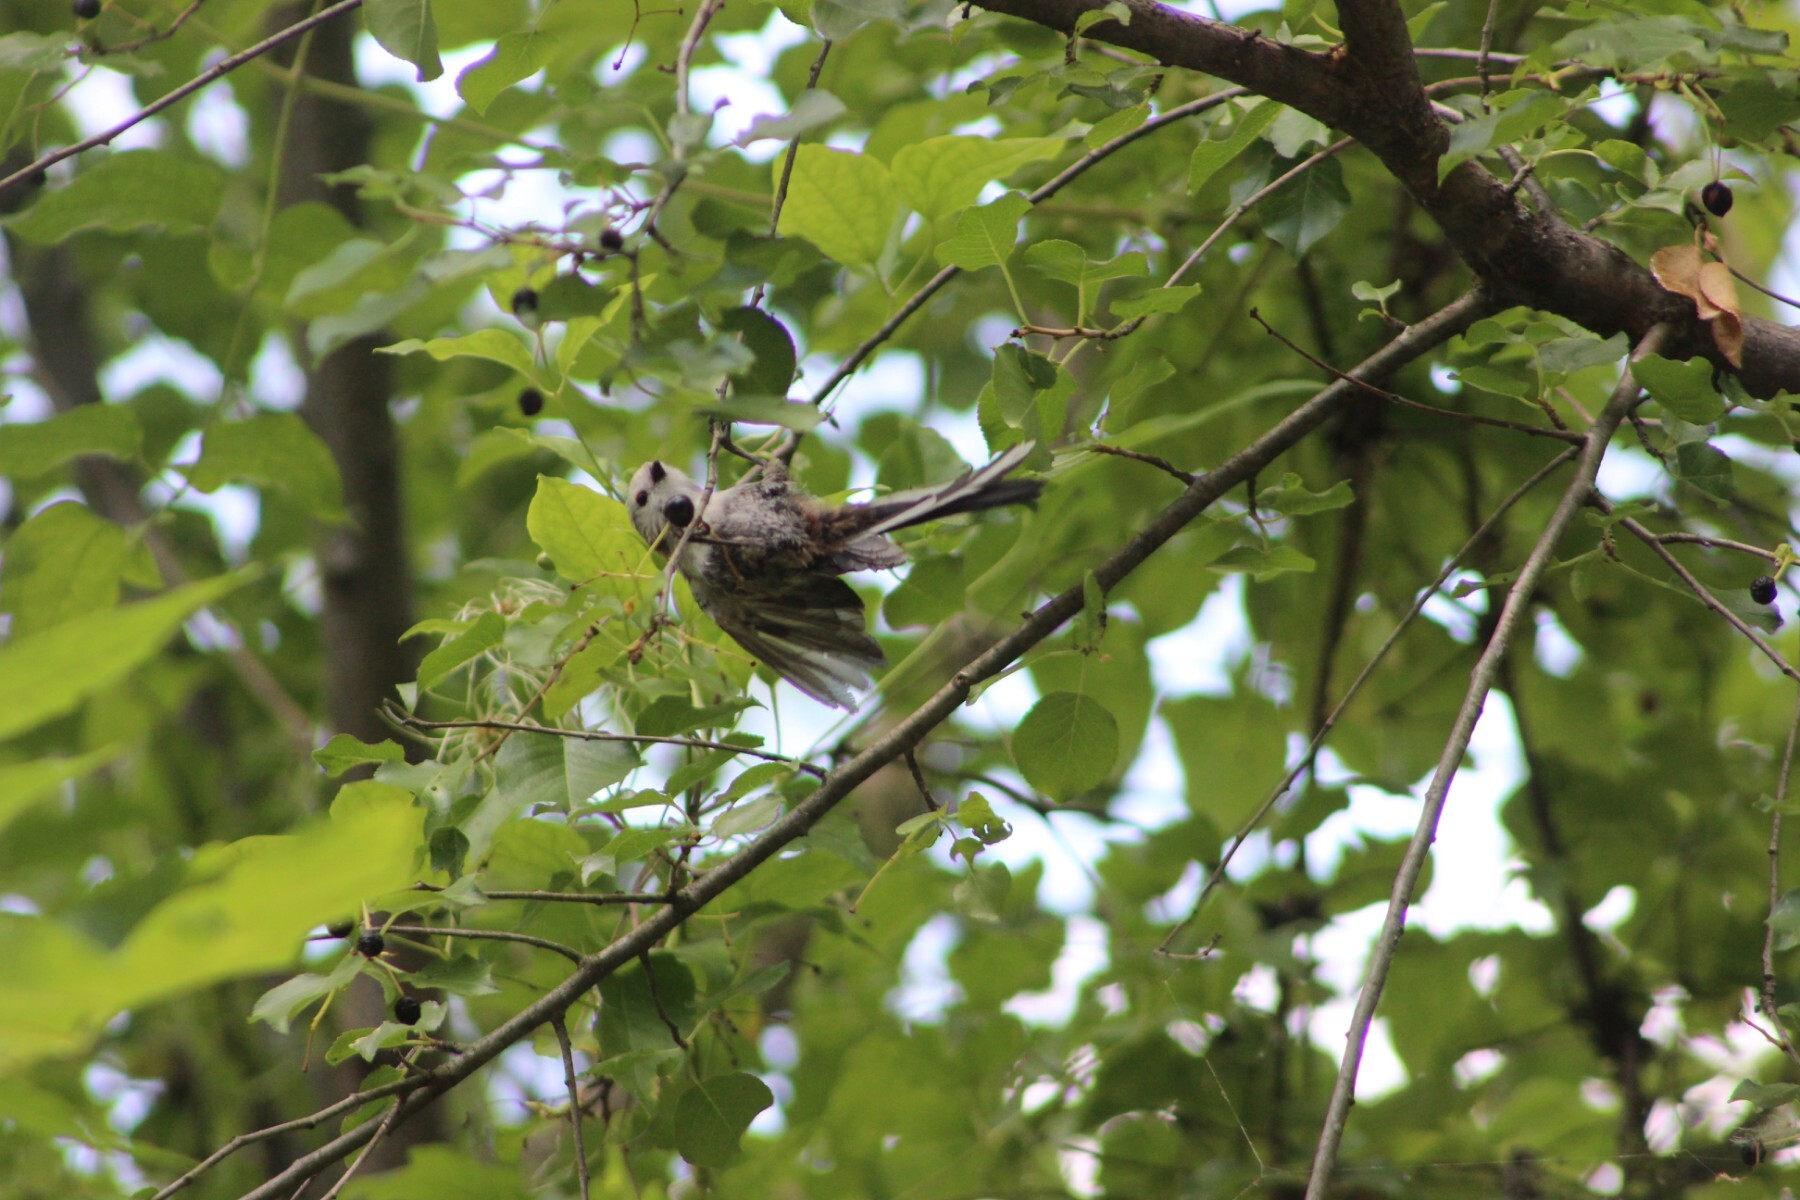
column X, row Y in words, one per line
column 807, row 626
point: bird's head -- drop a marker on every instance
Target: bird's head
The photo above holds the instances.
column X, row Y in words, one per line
column 661, row 496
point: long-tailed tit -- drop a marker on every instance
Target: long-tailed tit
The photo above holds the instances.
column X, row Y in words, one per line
column 765, row 557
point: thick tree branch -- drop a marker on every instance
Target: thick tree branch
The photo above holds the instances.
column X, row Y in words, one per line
column 1524, row 256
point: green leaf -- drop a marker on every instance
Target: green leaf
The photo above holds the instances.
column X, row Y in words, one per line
column 932, row 592
column 1290, row 498
column 492, row 343
column 1306, row 209
column 47, row 674
column 1156, row 300
column 814, row 108
column 463, row 975
column 1210, row 156
column 1019, row 375
column 842, row 202
column 344, row 751
column 27, row 783
column 404, row 28
column 32, row 448
column 272, row 449
column 515, row 56
column 985, row 236
column 773, row 345
column 127, row 191
column 584, row 533
column 1705, row 467
column 711, row 1117
column 1263, row 562
column 1069, row 263
column 1516, row 115
column 942, row 175
column 471, row 644
column 1684, row 388
column 62, row 562
column 1066, row 745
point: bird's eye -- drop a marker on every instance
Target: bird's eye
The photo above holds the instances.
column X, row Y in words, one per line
column 678, row 512
column 643, row 498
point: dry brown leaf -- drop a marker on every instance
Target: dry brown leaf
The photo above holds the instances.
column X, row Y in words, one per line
column 1728, row 326
column 1677, row 268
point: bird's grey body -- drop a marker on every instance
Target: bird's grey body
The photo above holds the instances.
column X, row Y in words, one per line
column 765, row 559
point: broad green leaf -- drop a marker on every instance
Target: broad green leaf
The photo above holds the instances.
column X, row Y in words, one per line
column 127, row 191
column 584, row 533
column 814, row 108
column 48, row 674
column 492, row 343
column 842, row 202
column 1707, row 468
column 632, row 1017
column 515, row 56
column 711, row 1117
column 1019, row 375
column 1684, row 388
column 941, row 175
column 23, row 784
column 246, row 909
column 1156, row 300
column 32, row 448
column 1066, row 745
column 1290, row 498
column 404, row 28
column 1516, row 115
column 1210, row 156
column 344, row 751
column 61, row 563
column 272, row 449
column 470, row 644
column 932, row 592
column 1069, row 263
column 773, row 345
column 1307, row 208
column 985, row 236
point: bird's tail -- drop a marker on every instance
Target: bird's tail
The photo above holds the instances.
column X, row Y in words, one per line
column 972, row 491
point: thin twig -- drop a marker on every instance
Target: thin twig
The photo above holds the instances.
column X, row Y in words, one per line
column 1486, row 49
column 1161, row 464
column 1300, row 768
column 595, row 735
column 219, row 70
column 538, row 897
column 1768, row 1006
column 489, row 935
column 1701, row 591
column 568, row 1058
column 656, row 999
column 1718, row 543
column 1512, row 614
column 387, row 1124
column 1561, row 435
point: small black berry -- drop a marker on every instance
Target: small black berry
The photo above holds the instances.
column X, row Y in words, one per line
column 1762, row 590
column 525, row 301
column 406, row 1010
column 531, row 401
column 612, row 239
column 1717, row 198
column 370, row 944
column 86, row 10
column 341, row 929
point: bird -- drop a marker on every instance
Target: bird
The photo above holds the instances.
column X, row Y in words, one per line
column 764, row 559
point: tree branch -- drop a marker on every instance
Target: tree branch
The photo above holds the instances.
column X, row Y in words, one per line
column 1481, row 681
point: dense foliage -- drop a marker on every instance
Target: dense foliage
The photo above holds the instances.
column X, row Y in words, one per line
column 369, row 788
